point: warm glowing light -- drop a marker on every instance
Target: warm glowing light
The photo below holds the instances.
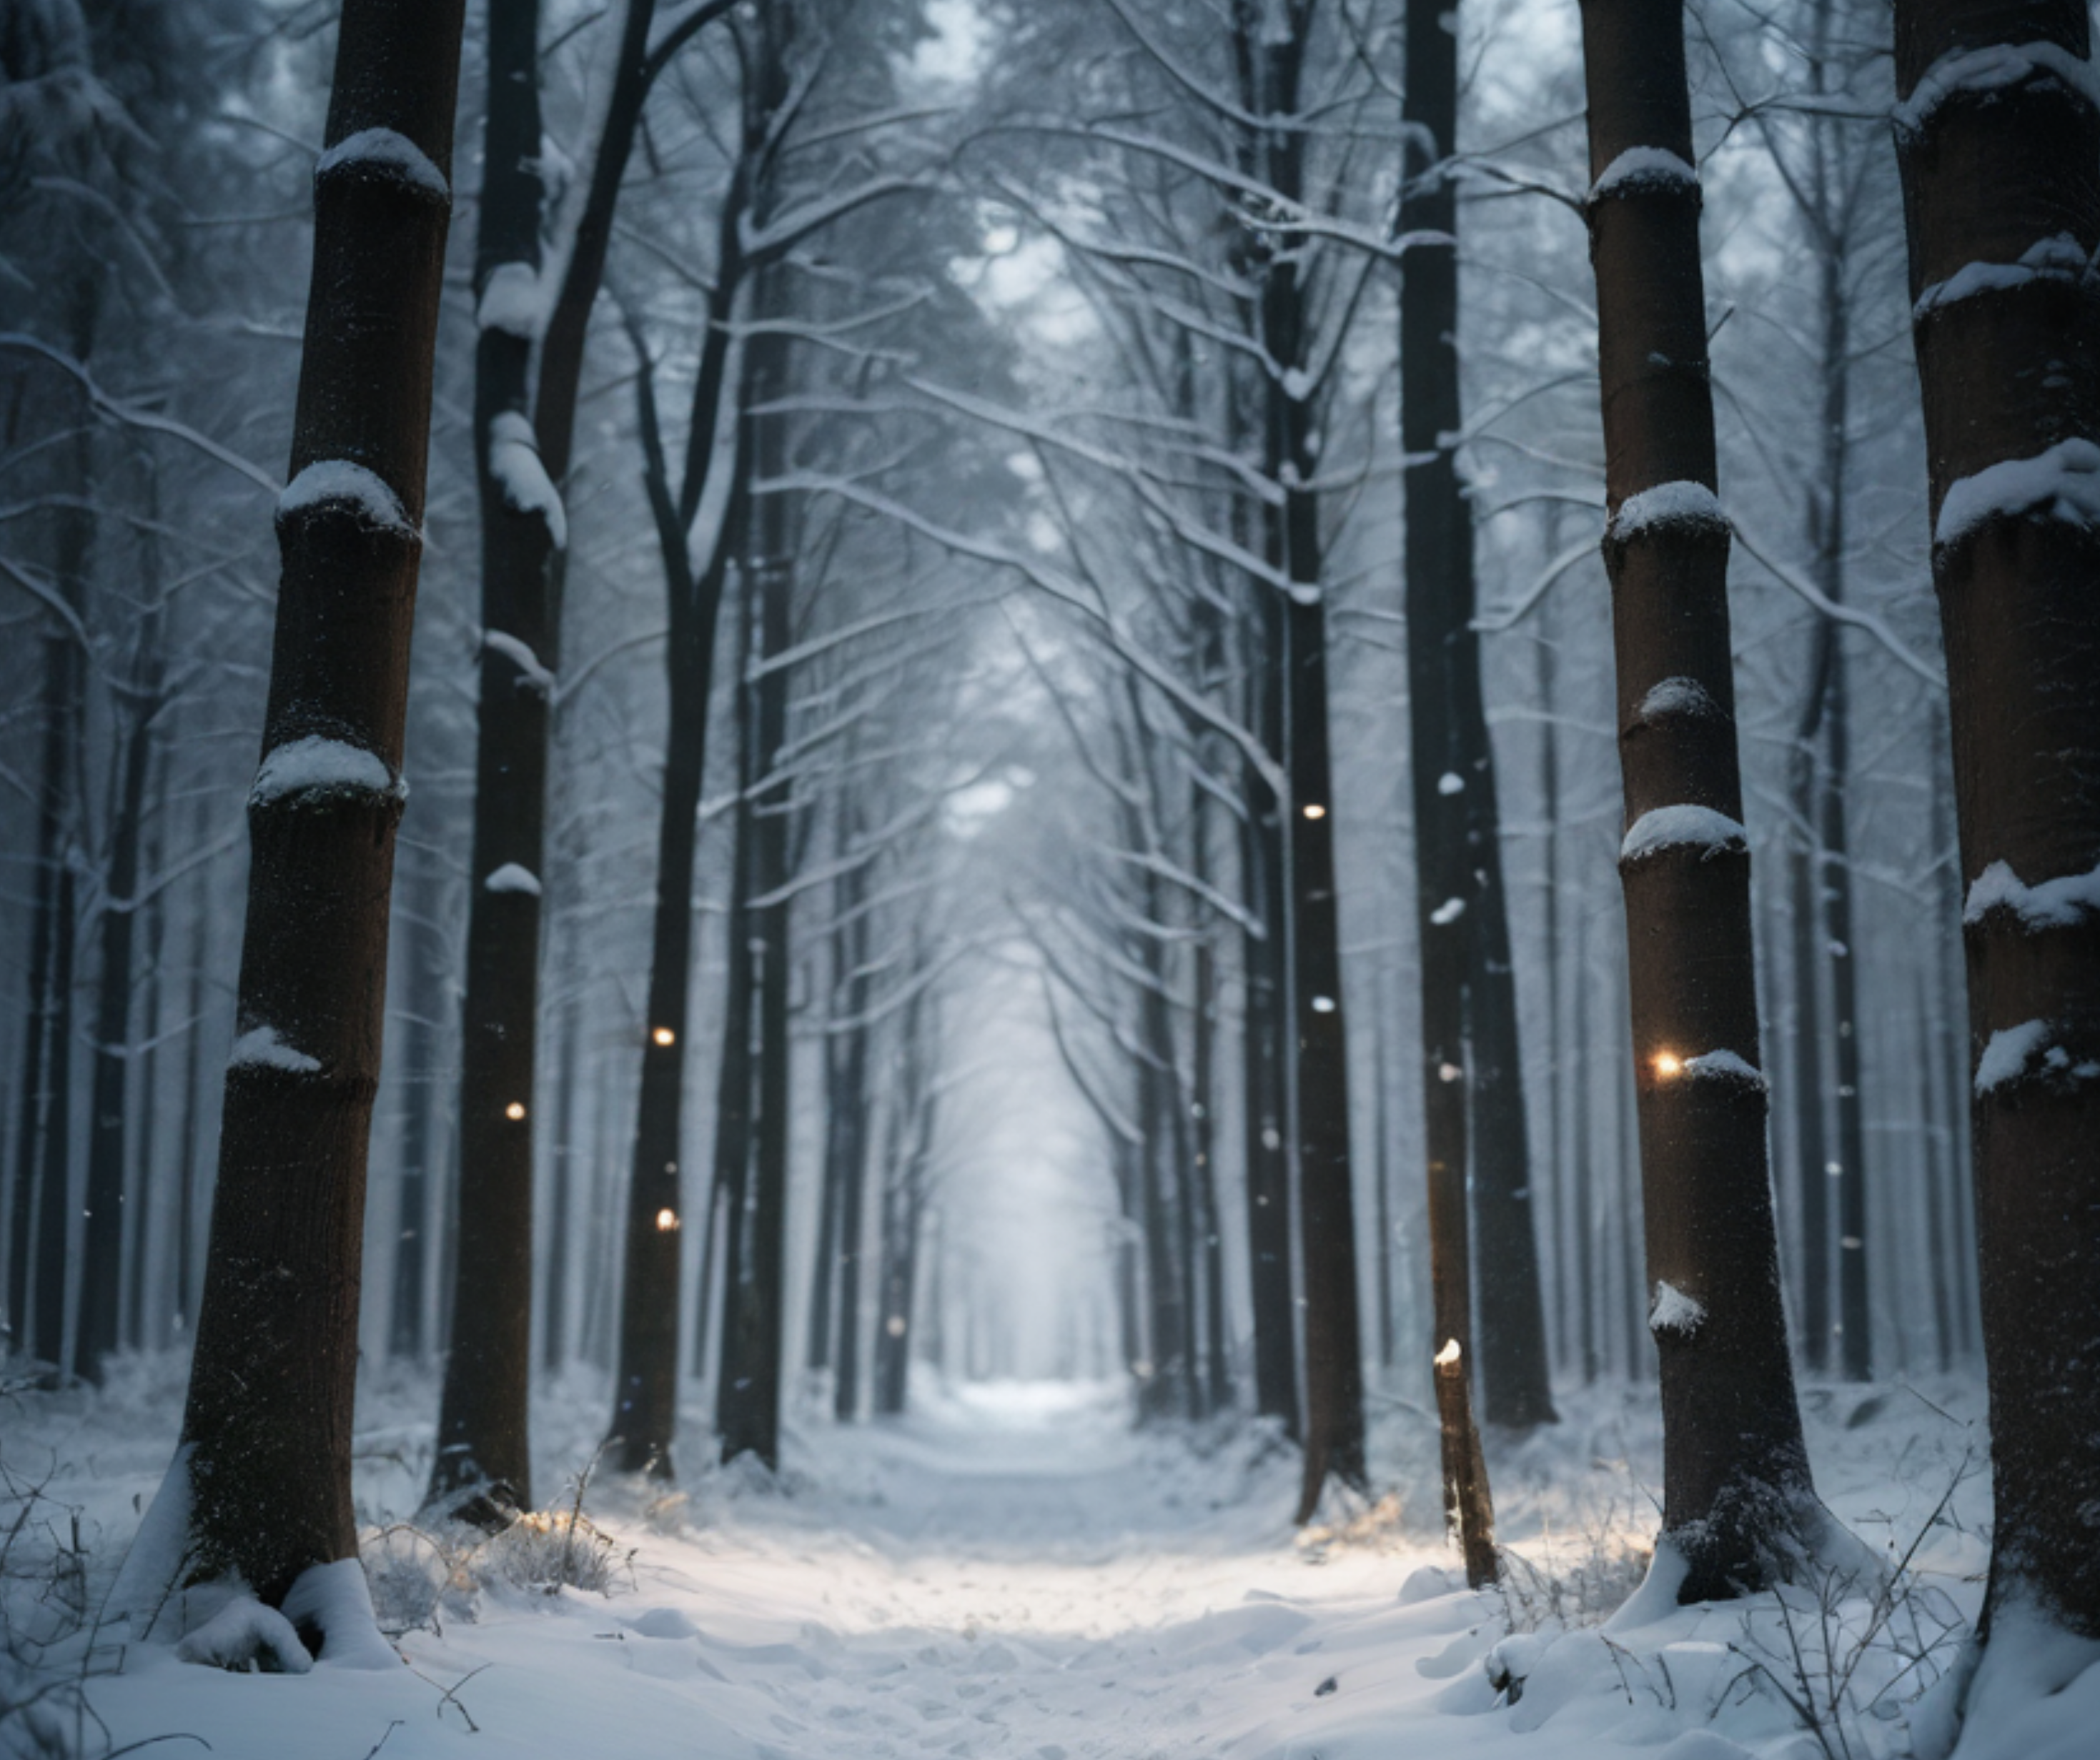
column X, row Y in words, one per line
column 1314, row 810
column 514, row 1110
column 665, row 1035
column 1450, row 1354
column 666, row 1220
column 895, row 1326
column 1669, row 1064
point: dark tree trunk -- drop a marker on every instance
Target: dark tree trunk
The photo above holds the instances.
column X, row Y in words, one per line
column 1736, row 1492
column 1810, row 1136
column 483, row 1457
column 748, row 1405
column 2005, row 170
column 1334, row 1348
column 1458, row 826
column 262, row 1479
column 101, row 1258
column 1262, row 1066
column 555, row 1327
column 849, row 1101
column 734, row 1102
column 1855, row 1322
column 407, row 1331
column 645, row 1410
column 1272, row 65
column 1217, row 1390
column 43, row 1197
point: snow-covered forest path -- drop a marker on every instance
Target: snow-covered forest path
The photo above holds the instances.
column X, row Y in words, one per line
column 1014, row 1574
column 1009, row 1571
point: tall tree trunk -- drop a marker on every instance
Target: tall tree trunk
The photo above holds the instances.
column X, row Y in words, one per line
column 1264, row 1114
column 555, row 1327
column 1217, row 1394
column 1998, row 142
column 1271, row 56
column 484, row 1460
column 749, row 1404
column 99, row 1324
column 1736, row 1492
column 407, row 1331
column 1458, row 827
column 645, row 1409
column 1812, row 1149
column 260, row 1489
column 44, row 1170
column 845, row 1145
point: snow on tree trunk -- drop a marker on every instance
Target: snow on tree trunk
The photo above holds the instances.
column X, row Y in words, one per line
column 1998, row 142
column 1736, row 1492
column 483, row 1445
column 261, row 1492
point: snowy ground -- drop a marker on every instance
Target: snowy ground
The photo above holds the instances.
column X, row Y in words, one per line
column 1012, row 1572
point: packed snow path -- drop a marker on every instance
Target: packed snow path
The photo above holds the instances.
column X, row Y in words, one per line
column 1016, row 1574
column 1009, row 1572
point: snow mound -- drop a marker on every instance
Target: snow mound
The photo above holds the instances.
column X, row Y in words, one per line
column 246, row 1636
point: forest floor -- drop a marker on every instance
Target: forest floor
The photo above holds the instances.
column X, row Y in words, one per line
column 1012, row 1571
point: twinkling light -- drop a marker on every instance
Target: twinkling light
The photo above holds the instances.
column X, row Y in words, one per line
column 663, row 1035
column 666, row 1221
column 895, row 1326
column 515, row 1111
column 1668, row 1064
column 1314, row 810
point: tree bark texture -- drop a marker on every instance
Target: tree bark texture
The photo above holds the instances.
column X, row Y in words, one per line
column 267, row 1431
column 1473, row 1022
column 98, row 1331
column 1998, row 144
column 645, row 1410
column 483, row 1441
column 749, row 1404
column 1736, row 1492
column 1271, row 57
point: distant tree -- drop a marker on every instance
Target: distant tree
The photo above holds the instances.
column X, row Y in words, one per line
column 483, row 1441
column 1472, row 1075
column 530, row 351
column 259, row 1493
column 1736, row 1492
column 1998, row 140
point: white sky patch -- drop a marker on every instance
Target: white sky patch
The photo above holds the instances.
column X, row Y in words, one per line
column 955, row 54
column 966, row 809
